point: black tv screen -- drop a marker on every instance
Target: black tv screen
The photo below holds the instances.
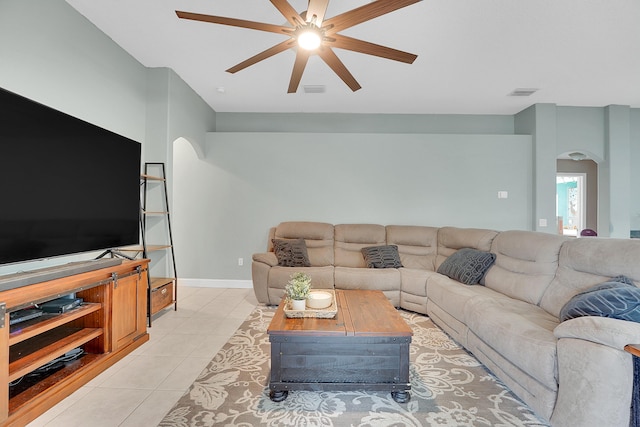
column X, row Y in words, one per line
column 66, row 186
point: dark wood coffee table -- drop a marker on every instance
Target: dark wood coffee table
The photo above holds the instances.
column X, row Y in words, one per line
column 365, row 347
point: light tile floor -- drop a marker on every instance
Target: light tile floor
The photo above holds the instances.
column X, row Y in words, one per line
column 141, row 388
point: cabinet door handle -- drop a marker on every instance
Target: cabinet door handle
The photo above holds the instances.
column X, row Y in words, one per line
column 164, row 291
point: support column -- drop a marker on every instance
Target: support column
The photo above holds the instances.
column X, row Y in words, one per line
column 618, row 166
column 544, row 178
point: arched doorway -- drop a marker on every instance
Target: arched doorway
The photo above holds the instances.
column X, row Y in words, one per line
column 576, row 194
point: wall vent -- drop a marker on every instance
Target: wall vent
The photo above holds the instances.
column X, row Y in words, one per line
column 314, row 88
column 523, row 92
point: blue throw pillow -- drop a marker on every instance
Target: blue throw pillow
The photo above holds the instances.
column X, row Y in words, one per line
column 467, row 265
column 618, row 299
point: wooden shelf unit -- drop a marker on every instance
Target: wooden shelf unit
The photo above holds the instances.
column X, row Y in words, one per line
column 44, row 348
column 162, row 290
column 31, row 328
column 139, row 249
column 109, row 324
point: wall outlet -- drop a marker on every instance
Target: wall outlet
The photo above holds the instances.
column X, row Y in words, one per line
column 542, row 222
column 503, row 194
column 240, row 261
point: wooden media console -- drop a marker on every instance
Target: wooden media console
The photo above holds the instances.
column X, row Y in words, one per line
column 109, row 324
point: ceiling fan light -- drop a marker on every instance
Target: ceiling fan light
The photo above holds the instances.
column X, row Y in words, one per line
column 309, row 39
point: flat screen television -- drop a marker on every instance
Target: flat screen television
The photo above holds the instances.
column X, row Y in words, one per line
column 66, row 186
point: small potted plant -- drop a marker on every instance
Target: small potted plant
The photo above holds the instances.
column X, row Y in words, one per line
column 297, row 290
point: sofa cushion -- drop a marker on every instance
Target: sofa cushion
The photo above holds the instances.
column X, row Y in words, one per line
column 291, row 253
column 317, row 235
column 584, row 263
column 381, row 279
column 450, row 239
column 321, row 278
column 520, row 332
column 413, row 291
column 615, row 299
column 351, row 238
column 417, row 245
column 452, row 296
column 414, row 280
column 526, row 263
column 385, row 256
column 386, row 280
column 467, row 265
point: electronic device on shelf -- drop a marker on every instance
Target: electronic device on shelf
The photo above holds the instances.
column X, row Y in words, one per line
column 59, row 362
column 20, row 316
column 60, row 305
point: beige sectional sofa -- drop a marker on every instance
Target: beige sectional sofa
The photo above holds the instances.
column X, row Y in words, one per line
column 572, row 373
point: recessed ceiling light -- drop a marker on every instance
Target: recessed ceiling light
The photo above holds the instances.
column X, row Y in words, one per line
column 220, row 89
column 523, row 91
column 314, row 88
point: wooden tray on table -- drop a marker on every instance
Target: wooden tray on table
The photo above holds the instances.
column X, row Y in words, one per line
column 322, row 313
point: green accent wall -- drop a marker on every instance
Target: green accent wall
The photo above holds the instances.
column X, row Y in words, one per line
column 366, row 123
column 355, row 165
column 249, row 182
column 53, row 55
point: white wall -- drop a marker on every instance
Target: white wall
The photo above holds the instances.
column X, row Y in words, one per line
column 248, row 182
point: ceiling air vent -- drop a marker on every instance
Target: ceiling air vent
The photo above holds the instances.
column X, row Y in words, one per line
column 523, row 92
column 314, row 88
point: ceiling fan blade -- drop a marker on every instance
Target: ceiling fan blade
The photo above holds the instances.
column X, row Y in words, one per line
column 288, row 12
column 280, row 47
column 355, row 45
column 364, row 13
column 328, row 55
column 234, row 22
column 317, row 8
column 298, row 68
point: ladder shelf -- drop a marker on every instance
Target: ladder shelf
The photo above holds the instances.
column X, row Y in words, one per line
column 154, row 206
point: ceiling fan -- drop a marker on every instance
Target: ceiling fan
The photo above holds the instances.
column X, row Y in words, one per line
column 310, row 33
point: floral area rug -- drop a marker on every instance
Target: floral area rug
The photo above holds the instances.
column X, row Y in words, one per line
column 449, row 387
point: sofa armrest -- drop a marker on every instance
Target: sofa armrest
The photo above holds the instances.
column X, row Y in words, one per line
column 268, row 258
column 595, row 374
column 614, row 333
column 260, row 268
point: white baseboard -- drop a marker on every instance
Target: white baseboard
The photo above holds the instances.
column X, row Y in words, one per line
column 216, row 283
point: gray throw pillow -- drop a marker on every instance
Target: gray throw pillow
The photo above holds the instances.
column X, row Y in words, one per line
column 467, row 265
column 618, row 298
column 386, row 256
column 291, row 253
